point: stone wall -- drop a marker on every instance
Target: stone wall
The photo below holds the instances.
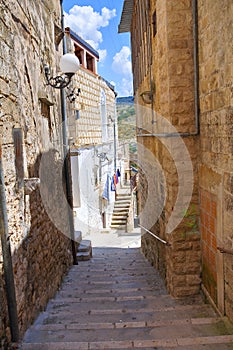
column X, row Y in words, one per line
column 29, row 134
column 216, row 185
column 169, row 43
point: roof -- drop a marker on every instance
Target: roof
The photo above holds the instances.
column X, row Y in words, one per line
column 112, row 87
column 126, row 16
column 82, row 42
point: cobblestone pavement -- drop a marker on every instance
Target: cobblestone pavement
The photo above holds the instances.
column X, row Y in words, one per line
column 117, row 300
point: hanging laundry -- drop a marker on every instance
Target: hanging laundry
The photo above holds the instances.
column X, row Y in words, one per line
column 115, row 177
column 105, row 194
column 113, row 187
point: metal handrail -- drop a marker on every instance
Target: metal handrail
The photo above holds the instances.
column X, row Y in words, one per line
column 155, row 236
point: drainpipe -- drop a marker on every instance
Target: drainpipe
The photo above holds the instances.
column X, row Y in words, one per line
column 196, row 83
column 115, row 145
column 7, row 260
column 66, row 154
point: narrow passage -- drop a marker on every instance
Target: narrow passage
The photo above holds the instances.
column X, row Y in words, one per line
column 117, row 300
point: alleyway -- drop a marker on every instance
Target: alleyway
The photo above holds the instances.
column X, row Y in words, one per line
column 118, row 301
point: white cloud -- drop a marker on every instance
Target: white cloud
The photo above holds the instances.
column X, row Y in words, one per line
column 123, row 67
column 122, row 63
column 102, row 54
column 87, row 23
column 125, row 88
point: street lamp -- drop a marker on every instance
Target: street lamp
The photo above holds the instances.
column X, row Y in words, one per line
column 69, row 65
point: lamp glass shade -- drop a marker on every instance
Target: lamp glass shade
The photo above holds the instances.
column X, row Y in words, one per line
column 69, row 63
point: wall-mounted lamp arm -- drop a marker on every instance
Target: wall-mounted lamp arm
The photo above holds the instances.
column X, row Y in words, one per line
column 73, row 94
column 69, row 65
column 147, row 97
column 58, row 82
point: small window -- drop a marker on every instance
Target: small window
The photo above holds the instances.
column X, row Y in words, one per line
column 90, row 63
column 45, row 110
column 79, row 53
column 154, row 23
column 45, row 105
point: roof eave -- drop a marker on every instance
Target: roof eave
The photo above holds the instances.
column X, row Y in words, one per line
column 126, row 17
column 82, row 42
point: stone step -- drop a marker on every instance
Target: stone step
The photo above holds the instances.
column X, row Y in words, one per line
column 135, row 330
column 120, row 211
column 85, row 246
column 118, row 301
column 129, row 324
column 119, row 206
column 84, row 251
column 118, row 227
column 119, row 217
column 196, row 344
column 117, row 221
column 96, row 306
column 221, row 342
column 123, row 197
column 83, row 256
column 111, row 316
column 123, row 200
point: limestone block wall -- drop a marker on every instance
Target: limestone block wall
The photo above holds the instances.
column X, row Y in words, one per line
column 216, row 185
column 29, row 132
column 169, row 43
column 88, row 127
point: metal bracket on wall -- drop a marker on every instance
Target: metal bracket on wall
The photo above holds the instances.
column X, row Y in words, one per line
column 225, row 251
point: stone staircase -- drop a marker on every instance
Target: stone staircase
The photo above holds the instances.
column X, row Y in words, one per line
column 84, row 247
column 121, row 209
column 117, row 300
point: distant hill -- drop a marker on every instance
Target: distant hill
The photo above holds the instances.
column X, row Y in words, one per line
column 127, row 99
column 126, row 121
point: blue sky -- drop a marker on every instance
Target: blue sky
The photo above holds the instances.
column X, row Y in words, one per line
column 96, row 21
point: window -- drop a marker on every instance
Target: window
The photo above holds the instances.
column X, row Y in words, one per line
column 90, row 63
column 79, row 53
column 45, row 105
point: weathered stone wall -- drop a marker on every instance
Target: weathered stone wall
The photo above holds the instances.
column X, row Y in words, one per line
column 216, row 185
column 169, row 43
column 41, row 253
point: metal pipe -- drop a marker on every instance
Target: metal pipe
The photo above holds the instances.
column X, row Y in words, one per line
column 175, row 134
column 155, row 236
column 196, row 66
column 69, row 193
column 7, row 260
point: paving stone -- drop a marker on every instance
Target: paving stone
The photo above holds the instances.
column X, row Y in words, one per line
column 118, row 307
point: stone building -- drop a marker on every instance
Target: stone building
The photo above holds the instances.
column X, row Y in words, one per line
column 93, row 139
column 182, row 69
column 31, row 147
